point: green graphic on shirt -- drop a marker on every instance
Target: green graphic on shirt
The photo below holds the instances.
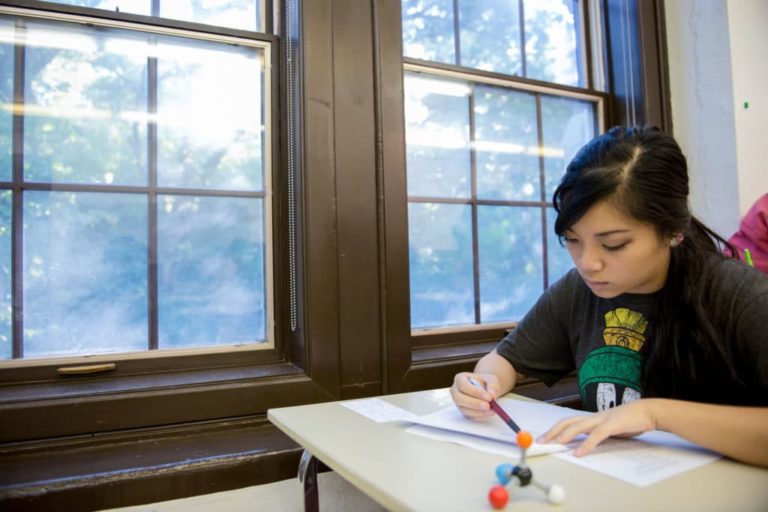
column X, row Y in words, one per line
column 611, row 375
column 611, row 364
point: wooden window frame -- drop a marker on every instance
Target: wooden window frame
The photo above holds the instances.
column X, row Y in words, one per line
column 153, row 389
column 637, row 93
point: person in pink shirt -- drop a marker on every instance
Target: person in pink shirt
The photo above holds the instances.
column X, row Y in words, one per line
column 753, row 234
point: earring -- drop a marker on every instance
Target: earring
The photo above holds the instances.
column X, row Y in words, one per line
column 676, row 240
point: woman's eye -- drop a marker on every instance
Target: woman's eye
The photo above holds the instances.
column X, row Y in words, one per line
column 615, row 247
column 570, row 240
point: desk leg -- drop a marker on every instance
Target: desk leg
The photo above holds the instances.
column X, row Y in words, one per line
column 308, row 478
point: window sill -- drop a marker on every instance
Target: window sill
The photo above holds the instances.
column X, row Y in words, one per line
column 88, row 405
column 132, row 468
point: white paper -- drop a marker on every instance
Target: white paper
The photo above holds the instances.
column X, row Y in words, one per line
column 505, row 448
column 379, row 410
column 534, row 417
column 641, row 461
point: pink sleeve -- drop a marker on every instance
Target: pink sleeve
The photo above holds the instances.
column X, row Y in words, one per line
column 753, row 234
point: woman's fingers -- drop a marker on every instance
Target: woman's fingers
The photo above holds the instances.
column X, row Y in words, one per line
column 471, row 400
column 568, row 429
column 473, row 385
column 626, row 420
column 596, row 436
column 565, row 430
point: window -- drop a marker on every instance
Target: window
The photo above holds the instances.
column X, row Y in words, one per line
column 144, row 216
column 485, row 152
column 141, row 245
column 537, row 39
column 239, row 14
column 497, row 98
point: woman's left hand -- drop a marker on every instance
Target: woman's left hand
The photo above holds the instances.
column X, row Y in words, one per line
column 626, row 420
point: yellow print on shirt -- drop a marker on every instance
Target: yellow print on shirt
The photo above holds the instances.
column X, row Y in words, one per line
column 625, row 328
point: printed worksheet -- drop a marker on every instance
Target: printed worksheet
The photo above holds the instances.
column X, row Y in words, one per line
column 641, row 461
column 448, row 424
column 379, row 410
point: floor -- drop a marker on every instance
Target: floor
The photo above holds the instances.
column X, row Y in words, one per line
column 336, row 494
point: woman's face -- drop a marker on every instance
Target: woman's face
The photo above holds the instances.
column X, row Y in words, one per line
column 616, row 254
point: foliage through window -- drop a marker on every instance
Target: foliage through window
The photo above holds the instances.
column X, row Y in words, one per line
column 135, row 209
column 239, row 14
column 537, row 39
column 485, row 152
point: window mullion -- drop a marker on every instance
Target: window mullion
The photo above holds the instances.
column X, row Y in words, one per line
column 152, row 142
column 543, row 188
column 523, row 57
column 474, row 203
column 456, row 32
column 17, row 222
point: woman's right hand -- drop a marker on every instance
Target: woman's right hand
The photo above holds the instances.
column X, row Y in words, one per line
column 472, row 400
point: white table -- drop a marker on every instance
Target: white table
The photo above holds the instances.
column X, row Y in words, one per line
column 403, row 471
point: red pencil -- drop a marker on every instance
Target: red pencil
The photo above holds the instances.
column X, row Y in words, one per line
column 498, row 410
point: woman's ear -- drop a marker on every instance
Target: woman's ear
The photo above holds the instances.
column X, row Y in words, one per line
column 677, row 239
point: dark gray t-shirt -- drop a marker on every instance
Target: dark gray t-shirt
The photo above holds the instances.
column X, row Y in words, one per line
column 570, row 328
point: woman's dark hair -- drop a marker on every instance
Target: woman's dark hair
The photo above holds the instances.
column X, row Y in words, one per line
column 643, row 173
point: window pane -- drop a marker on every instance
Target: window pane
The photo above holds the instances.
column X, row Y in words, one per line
column 211, row 271
column 558, row 260
column 490, row 38
column 85, row 267
column 5, row 275
column 510, row 248
column 437, row 137
column 566, row 126
column 210, row 116
column 240, row 14
column 442, row 286
column 428, row 30
column 490, row 35
column 85, row 105
column 132, row 6
column 507, row 147
column 6, row 98
column 90, row 93
column 552, row 42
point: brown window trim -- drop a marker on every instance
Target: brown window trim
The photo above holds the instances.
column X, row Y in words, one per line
column 88, row 405
column 133, row 468
column 38, row 402
column 646, row 102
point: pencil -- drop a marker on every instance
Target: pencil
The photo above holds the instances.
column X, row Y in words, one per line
column 498, row 410
column 748, row 258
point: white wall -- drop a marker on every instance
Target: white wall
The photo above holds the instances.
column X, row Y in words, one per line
column 718, row 60
column 748, row 29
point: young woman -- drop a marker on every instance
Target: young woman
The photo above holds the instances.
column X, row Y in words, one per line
column 665, row 332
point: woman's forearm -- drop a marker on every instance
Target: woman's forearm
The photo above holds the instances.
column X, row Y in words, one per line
column 495, row 364
column 735, row 431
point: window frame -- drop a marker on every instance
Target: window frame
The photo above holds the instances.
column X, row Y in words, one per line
column 430, row 357
column 20, row 185
column 151, row 389
column 426, row 336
